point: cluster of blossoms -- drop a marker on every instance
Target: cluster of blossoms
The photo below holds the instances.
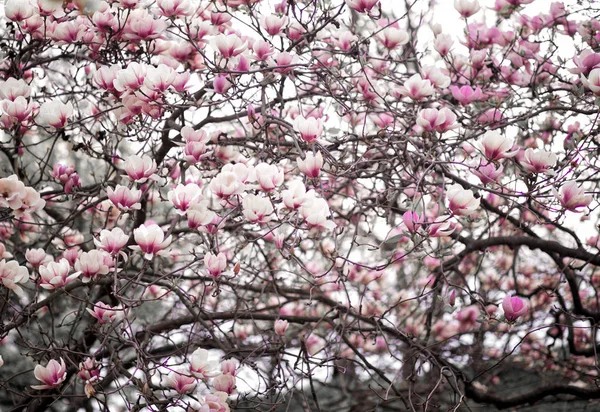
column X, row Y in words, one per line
column 299, row 186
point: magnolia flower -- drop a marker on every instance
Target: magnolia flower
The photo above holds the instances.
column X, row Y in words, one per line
column 51, row 375
column 224, row 383
column 592, row 82
column 538, row 161
column 201, row 367
column 280, row 327
column 495, row 146
column 392, row 37
column 229, row 367
column 55, row 113
column 215, row 264
column 460, row 201
column 104, row 313
column 273, row 23
column 124, row 198
column 440, row 227
column 111, row 241
column 466, row 8
column 90, row 264
column 309, row 129
column 514, row 307
column 316, row 213
column 18, row 10
column 184, row 197
column 56, row 274
column 436, row 120
column 257, row 209
column 269, row 177
column 226, row 184
column 361, row 6
column 416, row 88
column 150, row 240
column 466, row 94
column 11, row 274
column 140, row 168
column 572, row 197
column 228, row 45
column 311, row 165
column 199, row 215
column 412, row 221
column 296, row 195
column 13, row 88
column 181, row 382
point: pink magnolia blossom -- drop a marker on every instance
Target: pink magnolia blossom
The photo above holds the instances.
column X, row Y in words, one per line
column 124, row 198
column 316, row 212
column 592, row 81
column 199, row 215
column 216, row 402
column 466, row 8
column 466, row 94
column 67, row 176
column 89, row 370
column 52, row 375
column 18, row 10
column 587, row 61
column 16, row 111
column 538, row 161
column 140, row 168
column 280, row 327
column 184, row 197
column 104, row 313
column 37, row 257
column 416, row 88
column 111, row 241
column 13, row 88
column 55, row 113
column 228, row 45
column 130, row 78
column 158, row 79
column 436, row 120
column 443, row 43
column 361, row 6
column 91, row 264
column 269, row 177
column 229, row 367
column 488, row 172
column 142, row 26
column 224, row 383
column 11, row 274
column 181, row 382
column 262, row 49
column 495, row 146
column 412, row 221
column 273, row 24
column 257, row 209
column 150, row 240
column 172, row 8
column 309, row 129
column 56, row 274
column 201, row 367
column 514, row 307
column 461, row 202
column 221, row 84
column 226, row 184
column 296, row 195
column 392, row 37
column 572, row 197
column 215, row 265
column 311, row 165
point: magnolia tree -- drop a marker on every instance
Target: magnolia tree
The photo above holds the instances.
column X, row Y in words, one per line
column 209, row 205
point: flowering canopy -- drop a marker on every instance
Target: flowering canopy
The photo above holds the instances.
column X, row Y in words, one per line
column 211, row 204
